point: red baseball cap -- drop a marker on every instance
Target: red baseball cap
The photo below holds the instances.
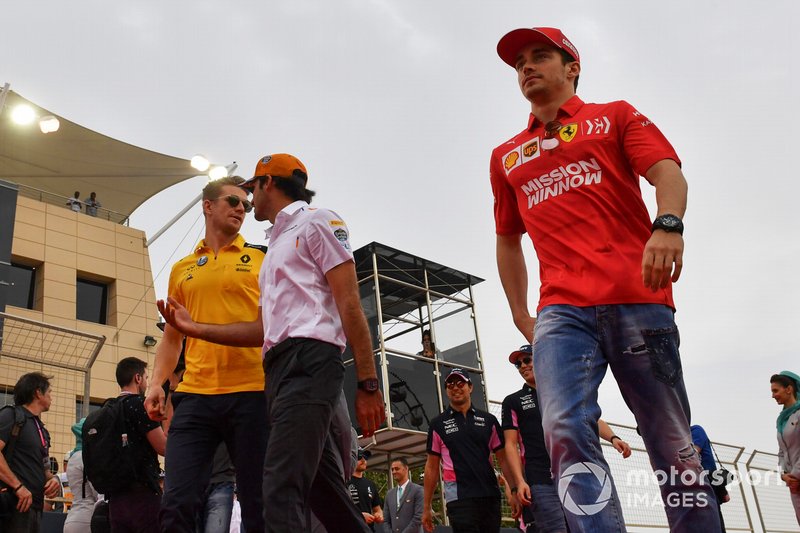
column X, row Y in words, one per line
column 513, row 41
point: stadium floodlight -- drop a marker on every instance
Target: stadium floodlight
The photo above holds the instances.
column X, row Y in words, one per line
column 217, row 173
column 23, row 115
column 49, row 124
column 200, row 163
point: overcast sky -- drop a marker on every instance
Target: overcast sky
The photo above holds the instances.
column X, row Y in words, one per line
column 395, row 106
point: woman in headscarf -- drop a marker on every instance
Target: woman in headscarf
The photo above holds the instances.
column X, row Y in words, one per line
column 79, row 516
column 784, row 390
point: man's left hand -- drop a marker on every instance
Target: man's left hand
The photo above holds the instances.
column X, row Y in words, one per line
column 622, row 447
column 177, row 316
column 370, row 411
column 662, row 251
column 52, row 488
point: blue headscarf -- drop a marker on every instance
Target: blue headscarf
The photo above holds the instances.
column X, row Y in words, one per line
column 77, row 430
column 784, row 415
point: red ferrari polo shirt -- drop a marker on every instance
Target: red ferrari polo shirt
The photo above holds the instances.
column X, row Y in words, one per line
column 577, row 195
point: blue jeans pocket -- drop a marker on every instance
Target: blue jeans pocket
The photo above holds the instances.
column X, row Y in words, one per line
column 665, row 360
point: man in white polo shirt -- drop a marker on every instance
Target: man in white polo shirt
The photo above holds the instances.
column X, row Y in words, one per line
column 310, row 310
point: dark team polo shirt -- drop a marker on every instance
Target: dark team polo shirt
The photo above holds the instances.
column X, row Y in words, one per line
column 30, row 458
column 364, row 494
column 465, row 445
column 521, row 413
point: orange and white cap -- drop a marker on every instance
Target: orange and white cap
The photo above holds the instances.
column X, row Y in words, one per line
column 279, row 165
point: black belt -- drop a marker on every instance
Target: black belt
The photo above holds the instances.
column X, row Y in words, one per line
column 284, row 346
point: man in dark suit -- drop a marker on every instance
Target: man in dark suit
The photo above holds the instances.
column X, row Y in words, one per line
column 402, row 508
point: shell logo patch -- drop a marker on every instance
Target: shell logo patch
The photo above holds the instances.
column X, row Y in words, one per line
column 511, row 160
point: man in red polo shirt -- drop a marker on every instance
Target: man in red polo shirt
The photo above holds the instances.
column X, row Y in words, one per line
column 570, row 180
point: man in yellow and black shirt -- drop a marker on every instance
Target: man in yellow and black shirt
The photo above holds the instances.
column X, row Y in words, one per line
column 221, row 397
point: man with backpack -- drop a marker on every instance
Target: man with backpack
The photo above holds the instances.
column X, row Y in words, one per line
column 24, row 462
column 120, row 453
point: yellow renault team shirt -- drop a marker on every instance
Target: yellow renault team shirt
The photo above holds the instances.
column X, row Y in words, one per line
column 220, row 290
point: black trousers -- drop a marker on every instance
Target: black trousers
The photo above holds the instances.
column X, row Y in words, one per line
column 302, row 465
column 200, row 423
column 475, row 515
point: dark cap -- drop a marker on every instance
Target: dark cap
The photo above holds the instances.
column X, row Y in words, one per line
column 458, row 373
column 364, row 454
column 525, row 349
column 513, row 41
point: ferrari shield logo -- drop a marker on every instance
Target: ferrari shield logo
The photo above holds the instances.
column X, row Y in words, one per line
column 568, row 132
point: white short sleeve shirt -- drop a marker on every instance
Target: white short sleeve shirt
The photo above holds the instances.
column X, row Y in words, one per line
column 296, row 301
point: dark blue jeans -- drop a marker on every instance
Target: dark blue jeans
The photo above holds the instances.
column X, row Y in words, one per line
column 573, row 347
column 215, row 514
column 199, row 424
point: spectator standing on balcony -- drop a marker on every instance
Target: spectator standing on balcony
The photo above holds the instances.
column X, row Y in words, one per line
column 24, row 462
column 784, row 390
column 428, row 346
column 92, row 204
column 75, row 203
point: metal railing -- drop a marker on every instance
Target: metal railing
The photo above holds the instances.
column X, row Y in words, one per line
column 756, row 481
column 63, row 201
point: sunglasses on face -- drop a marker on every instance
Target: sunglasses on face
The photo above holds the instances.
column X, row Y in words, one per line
column 456, row 384
column 522, row 361
column 234, row 200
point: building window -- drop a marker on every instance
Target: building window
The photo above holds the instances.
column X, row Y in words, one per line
column 92, row 304
column 6, row 395
column 93, row 406
column 22, row 287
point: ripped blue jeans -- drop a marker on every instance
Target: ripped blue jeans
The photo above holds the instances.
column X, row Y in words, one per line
column 573, row 347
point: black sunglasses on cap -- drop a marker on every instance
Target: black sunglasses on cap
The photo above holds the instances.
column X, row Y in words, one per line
column 522, row 361
column 234, row 200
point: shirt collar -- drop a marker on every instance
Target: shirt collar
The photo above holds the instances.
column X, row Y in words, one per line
column 288, row 211
column 454, row 412
column 568, row 108
column 237, row 243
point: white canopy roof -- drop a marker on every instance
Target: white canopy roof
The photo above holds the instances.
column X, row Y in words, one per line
column 78, row 159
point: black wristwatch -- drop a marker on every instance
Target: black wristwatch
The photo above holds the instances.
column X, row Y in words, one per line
column 668, row 223
column 368, row 385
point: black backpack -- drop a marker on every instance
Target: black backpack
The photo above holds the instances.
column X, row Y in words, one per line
column 109, row 461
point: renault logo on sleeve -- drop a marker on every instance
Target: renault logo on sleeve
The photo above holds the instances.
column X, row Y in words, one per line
column 581, row 469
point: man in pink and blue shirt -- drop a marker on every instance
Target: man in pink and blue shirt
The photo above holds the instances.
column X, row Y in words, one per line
column 461, row 440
